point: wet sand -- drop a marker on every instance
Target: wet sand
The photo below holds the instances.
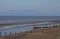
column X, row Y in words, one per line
column 27, row 22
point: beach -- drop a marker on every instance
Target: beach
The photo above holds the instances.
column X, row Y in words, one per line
column 38, row 33
column 45, row 33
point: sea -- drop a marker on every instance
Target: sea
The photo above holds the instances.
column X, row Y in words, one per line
column 13, row 19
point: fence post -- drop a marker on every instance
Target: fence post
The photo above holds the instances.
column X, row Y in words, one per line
column 5, row 33
column 49, row 25
column 0, row 33
column 46, row 25
column 56, row 25
column 33, row 26
column 31, row 31
column 10, row 33
column 53, row 25
column 43, row 26
column 15, row 32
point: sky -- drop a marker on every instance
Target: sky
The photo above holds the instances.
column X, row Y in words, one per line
column 30, row 7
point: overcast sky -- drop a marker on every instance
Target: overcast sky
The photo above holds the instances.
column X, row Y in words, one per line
column 48, row 7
